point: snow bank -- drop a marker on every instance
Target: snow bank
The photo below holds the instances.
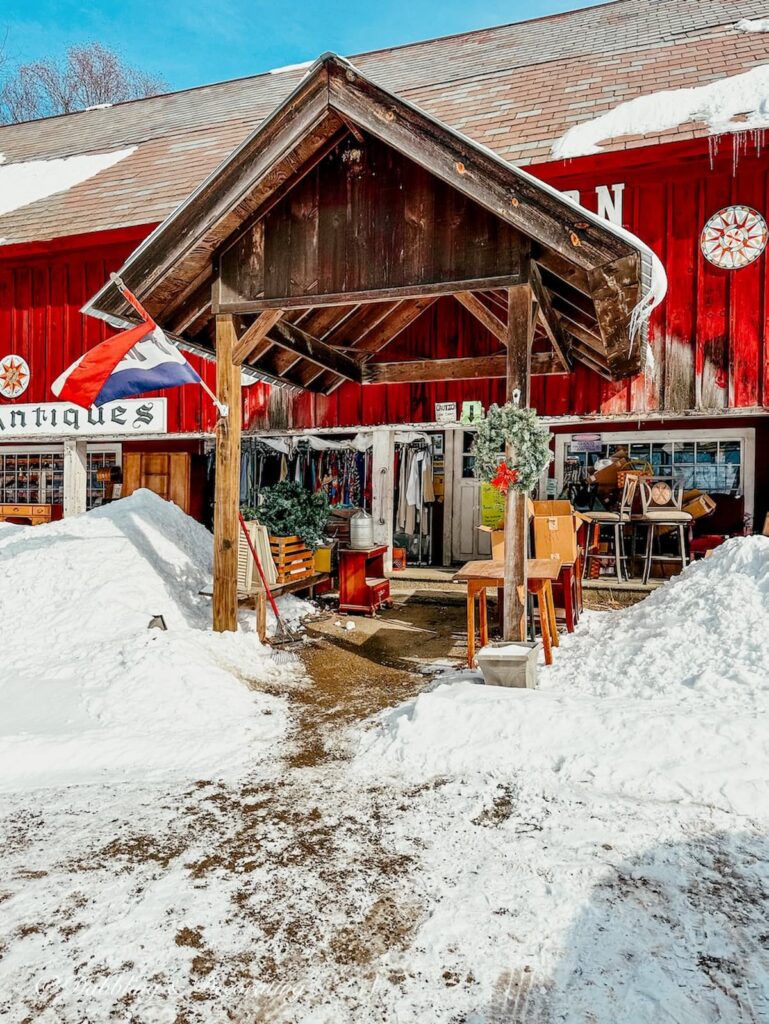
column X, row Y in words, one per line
column 88, row 692
column 32, row 180
column 704, row 634
column 665, row 700
column 717, row 104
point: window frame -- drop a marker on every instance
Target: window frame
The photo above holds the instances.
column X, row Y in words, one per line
column 746, row 436
column 57, row 449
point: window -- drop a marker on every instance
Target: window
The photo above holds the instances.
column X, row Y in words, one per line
column 712, row 465
column 35, row 476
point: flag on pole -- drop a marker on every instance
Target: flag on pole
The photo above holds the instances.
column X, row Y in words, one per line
column 133, row 362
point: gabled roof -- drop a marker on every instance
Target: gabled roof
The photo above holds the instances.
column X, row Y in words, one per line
column 515, row 89
column 582, row 262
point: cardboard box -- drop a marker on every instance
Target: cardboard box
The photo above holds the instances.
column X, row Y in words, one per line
column 497, row 539
column 700, row 506
column 555, row 530
column 607, row 478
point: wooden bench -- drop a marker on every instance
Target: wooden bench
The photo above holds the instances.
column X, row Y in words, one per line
column 257, row 599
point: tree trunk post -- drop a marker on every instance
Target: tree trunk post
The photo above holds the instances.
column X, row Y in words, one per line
column 227, row 484
column 520, row 326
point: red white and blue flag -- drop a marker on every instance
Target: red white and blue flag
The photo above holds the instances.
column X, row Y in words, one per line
column 135, row 361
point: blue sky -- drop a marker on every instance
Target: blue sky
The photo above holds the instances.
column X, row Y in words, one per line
column 190, row 42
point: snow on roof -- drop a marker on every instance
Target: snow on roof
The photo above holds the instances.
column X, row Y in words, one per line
column 291, row 67
column 32, row 180
column 718, row 104
column 757, row 25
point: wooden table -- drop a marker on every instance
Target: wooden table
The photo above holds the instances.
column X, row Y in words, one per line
column 480, row 575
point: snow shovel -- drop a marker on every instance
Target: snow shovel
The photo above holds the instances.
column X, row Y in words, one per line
column 283, row 634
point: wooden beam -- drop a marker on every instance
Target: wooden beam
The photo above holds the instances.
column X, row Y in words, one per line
column 419, row 291
column 592, row 340
column 562, row 268
column 472, row 368
column 483, row 314
column 227, row 482
column 257, row 331
column 616, row 289
column 549, row 319
column 435, row 369
column 293, row 338
column 383, row 333
column 520, row 324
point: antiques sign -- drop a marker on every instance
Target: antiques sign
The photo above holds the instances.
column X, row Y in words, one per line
column 61, row 419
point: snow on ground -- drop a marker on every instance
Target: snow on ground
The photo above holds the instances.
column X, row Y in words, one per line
column 32, row 180
column 600, row 845
column 718, row 104
column 89, row 692
column 595, row 850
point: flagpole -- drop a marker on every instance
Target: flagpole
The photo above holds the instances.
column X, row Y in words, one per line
column 222, row 409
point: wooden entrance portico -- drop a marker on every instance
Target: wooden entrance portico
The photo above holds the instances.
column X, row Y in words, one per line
column 333, row 227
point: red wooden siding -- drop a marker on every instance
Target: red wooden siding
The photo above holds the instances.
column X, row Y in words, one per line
column 708, row 338
column 40, row 300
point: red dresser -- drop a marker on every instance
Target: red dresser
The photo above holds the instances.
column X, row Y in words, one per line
column 363, row 586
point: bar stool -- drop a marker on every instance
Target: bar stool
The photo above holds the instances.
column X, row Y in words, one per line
column 661, row 501
column 617, row 520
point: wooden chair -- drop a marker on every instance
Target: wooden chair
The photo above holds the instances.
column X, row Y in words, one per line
column 661, row 500
column 617, row 520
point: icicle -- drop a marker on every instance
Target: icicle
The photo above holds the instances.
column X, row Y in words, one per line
column 713, row 143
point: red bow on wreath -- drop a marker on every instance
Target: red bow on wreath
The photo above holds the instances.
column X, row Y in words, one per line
column 505, row 476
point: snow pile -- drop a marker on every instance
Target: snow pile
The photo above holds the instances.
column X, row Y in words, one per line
column 665, row 700
column 88, row 692
column 704, row 634
column 718, row 104
column 32, row 180
column 755, row 25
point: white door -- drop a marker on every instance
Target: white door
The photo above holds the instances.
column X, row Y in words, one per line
column 467, row 542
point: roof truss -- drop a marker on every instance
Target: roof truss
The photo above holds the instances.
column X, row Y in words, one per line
column 300, row 323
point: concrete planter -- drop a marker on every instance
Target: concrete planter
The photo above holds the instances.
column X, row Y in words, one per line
column 509, row 664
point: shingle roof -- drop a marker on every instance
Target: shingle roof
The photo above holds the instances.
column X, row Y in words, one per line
column 515, row 89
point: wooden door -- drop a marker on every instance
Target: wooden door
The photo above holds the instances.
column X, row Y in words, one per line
column 467, row 542
column 165, row 473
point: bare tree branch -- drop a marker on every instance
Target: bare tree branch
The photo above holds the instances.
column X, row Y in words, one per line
column 90, row 75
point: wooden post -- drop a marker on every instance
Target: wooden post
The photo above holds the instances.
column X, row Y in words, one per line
column 520, row 326
column 75, row 476
column 227, row 487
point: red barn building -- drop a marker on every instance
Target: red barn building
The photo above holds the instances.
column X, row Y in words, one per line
column 78, row 193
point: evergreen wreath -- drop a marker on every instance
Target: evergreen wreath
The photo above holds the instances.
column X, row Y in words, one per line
column 528, row 439
column 290, row 510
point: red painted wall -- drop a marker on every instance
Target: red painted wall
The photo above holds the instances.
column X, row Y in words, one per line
column 708, row 338
column 41, row 293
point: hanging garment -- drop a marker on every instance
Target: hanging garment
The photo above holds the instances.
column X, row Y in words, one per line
column 402, row 489
column 414, row 483
column 428, row 491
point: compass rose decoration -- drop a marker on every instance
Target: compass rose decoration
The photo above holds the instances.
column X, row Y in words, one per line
column 14, row 376
column 734, row 237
